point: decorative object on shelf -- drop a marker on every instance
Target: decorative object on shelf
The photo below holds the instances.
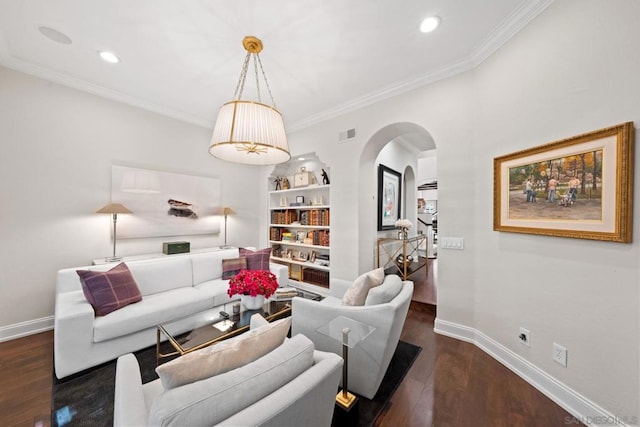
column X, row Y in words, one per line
column 278, row 182
column 253, row 283
column 285, row 183
column 404, row 225
column 325, row 177
column 247, row 131
column 114, row 209
column 302, row 178
column 389, row 197
column 225, row 211
column 300, row 199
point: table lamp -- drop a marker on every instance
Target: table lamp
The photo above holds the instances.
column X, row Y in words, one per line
column 114, row 209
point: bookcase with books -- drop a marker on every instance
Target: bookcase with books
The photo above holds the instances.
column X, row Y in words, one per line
column 300, row 220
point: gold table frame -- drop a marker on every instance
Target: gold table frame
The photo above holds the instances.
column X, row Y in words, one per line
column 391, row 248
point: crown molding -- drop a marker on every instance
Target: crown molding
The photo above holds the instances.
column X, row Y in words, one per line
column 527, row 11
column 94, row 89
column 499, row 36
column 508, row 28
column 382, row 94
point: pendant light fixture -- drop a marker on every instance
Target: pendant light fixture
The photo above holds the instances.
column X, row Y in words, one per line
column 250, row 132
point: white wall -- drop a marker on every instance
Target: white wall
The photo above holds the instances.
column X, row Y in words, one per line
column 57, row 146
column 574, row 69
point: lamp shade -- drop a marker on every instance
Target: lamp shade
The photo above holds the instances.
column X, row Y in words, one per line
column 228, row 211
column 225, row 211
column 114, row 208
column 250, row 133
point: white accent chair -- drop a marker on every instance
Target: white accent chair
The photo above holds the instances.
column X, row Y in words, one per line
column 293, row 385
column 385, row 309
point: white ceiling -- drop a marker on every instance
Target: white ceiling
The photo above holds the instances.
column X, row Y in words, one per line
column 321, row 57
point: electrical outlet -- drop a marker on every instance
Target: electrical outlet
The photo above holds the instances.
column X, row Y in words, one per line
column 559, row 354
column 524, row 337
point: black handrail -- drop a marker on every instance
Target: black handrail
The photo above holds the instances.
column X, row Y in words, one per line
column 425, row 224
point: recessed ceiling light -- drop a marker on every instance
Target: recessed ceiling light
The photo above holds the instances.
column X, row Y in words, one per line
column 54, row 35
column 429, row 24
column 301, row 158
column 109, row 56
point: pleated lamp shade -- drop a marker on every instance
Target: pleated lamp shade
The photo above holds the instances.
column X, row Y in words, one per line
column 251, row 133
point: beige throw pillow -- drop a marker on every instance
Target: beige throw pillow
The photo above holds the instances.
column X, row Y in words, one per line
column 357, row 293
column 224, row 356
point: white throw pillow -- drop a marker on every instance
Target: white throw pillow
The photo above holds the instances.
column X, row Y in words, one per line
column 224, row 356
column 357, row 293
column 213, row 400
column 384, row 293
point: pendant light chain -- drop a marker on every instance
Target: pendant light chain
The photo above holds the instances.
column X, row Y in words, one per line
column 273, row 102
column 243, row 75
column 256, row 58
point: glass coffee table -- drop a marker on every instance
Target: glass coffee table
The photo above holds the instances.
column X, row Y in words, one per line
column 210, row 331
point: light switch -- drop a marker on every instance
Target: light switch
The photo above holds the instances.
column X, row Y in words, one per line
column 456, row 243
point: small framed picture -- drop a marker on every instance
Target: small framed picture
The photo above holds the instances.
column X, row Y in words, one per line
column 300, row 236
column 299, row 199
column 303, row 256
column 312, row 258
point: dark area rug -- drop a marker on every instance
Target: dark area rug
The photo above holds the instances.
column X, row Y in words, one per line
column 86, row 398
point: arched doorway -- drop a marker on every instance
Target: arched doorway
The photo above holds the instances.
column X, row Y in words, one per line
column 414, row 139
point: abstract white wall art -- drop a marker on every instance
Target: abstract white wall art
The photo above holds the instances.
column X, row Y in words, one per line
column 164, row 203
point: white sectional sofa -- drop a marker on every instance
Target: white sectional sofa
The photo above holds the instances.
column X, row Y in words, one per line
column 187, row 287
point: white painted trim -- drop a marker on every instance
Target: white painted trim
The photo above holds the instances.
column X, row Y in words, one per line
column 95, row 89
column 22, row 329
column 498, row 37
column 573, row 402
column 508, row 28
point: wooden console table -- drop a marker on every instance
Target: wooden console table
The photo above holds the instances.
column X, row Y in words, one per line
column 390, row 249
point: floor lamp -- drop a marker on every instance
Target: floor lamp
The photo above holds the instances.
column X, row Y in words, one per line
column 114, row 209
column 226, row 211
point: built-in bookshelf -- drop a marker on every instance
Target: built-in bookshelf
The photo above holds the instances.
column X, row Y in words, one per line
column 300, row 222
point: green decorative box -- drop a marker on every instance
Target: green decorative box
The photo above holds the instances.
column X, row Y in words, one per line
column 170, row 248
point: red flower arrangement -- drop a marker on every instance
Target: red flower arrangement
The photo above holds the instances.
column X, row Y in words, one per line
column 253, row 283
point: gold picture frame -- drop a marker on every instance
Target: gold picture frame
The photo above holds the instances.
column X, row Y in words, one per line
column 580, row 187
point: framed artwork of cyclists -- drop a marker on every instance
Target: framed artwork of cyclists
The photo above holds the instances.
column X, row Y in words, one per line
column 580, row 187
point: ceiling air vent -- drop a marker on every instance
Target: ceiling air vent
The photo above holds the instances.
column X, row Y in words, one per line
column 428, row 186
column 347, row 135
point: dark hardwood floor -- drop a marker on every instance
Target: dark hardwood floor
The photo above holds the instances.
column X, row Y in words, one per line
column 451, row 383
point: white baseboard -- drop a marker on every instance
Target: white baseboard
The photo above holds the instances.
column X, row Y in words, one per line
column 577, row 405
column 30, row 327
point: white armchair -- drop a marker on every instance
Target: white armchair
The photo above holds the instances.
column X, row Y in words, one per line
column 369, row 360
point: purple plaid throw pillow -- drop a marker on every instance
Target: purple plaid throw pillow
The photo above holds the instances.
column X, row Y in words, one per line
column 232, row 266
column 258, row 260
column 110, row 290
